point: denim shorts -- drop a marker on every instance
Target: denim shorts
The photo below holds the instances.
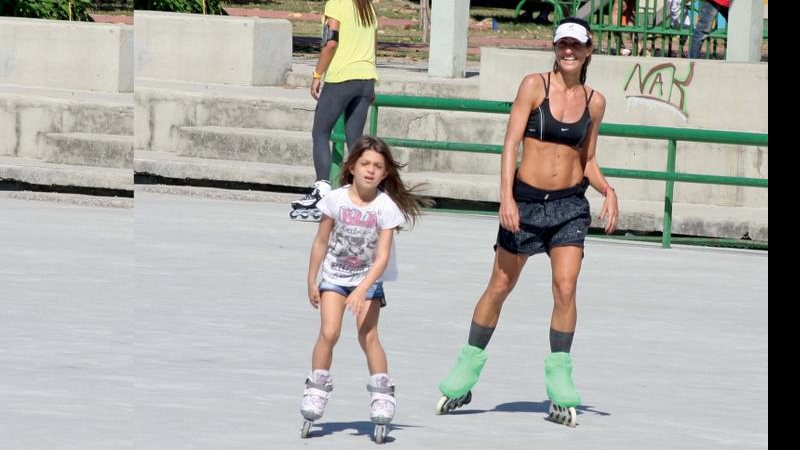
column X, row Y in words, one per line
column 375, row 292
column 547, row 219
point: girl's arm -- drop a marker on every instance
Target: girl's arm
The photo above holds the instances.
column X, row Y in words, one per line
column 610, row 210
column 325, row 57
column 318, row 249
column 355, row 301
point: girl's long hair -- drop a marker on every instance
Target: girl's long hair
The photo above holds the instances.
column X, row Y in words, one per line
column 406, row 199
column 585, row 65
column 365, row 12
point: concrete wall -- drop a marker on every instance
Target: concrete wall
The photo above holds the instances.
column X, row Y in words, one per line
column 212, row 49
column 718, row 94
column 66, row 55
column 670, row 92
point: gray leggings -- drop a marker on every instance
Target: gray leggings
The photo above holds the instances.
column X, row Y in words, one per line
column 352, row 97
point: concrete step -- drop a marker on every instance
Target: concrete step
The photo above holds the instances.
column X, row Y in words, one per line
column 170, row 165
column 639, row 215
column 37, row 172
column 167, row 107
column 27, row 114
column 89, row 149
column 164, row 106
column 295, row 148
column 246, row 144
column 402, row 79
column 170, row 106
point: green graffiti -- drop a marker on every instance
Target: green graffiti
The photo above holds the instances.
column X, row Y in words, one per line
column 661, row 83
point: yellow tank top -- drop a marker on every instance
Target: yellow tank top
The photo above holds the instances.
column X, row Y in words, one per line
column 354, row 58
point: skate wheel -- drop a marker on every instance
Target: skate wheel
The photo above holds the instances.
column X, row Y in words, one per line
column 380, row 433
column 440, row 405
column 305, row 429
column 446, row 404
column 563, row 415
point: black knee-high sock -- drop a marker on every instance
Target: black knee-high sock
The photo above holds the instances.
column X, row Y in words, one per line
column 560, row 341
column 479, row 336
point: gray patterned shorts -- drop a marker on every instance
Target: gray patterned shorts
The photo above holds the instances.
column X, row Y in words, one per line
column 547, row 219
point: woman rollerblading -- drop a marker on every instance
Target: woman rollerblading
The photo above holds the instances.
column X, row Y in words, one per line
column 556, row 117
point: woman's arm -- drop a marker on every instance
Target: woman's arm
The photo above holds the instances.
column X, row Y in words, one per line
column 355, row 301
column 318, row 249
column 528, row 95
column 610, row 210
column 325, row 57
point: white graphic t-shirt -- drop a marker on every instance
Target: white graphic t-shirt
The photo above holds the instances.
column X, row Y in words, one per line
column 354, row 239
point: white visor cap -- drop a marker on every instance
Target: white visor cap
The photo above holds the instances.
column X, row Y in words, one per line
column 572, row 30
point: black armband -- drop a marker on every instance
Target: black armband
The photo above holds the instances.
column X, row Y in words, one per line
column 329, row 35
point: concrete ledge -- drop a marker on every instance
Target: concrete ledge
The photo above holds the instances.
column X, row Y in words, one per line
column 247, row 144
column 66, row 55
column 689, row 219
column 169, row 165
column 215, row 49
column 403, row 80
column 162, row 108
column 71, row 199
column 89, row 149
column 40, row 173
column 28, row 114
column 639, row 215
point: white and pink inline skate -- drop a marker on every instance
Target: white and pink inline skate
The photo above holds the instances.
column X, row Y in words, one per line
column 382, row 404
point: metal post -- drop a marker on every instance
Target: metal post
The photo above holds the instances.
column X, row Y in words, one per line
column 670, row 189
column 373, row 119
column 338, row 151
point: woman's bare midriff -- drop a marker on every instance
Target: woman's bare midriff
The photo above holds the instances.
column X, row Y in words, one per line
column 550, row 166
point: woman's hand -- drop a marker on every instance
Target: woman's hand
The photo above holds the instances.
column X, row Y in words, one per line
column 316, row 87
column 610, row 211
column 509, row 215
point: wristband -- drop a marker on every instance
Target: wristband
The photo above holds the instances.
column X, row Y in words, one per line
column 316, row 75
column 606, row 189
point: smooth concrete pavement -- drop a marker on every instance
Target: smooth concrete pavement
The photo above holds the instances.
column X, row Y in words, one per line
column 209, row 347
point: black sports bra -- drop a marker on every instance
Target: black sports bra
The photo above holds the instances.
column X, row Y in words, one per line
column 543, row 126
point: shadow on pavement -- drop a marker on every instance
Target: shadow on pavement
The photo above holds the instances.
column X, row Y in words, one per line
column 532, row 407
column 360, row 428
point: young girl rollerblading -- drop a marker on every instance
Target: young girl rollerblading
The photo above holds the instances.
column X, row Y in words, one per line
column 354, row 249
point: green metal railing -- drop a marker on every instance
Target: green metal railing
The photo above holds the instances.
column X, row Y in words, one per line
column 670, row 134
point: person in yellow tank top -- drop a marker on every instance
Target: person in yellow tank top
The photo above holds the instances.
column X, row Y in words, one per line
column 343, row 82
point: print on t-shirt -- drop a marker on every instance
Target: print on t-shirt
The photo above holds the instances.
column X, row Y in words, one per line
column 353, row 243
